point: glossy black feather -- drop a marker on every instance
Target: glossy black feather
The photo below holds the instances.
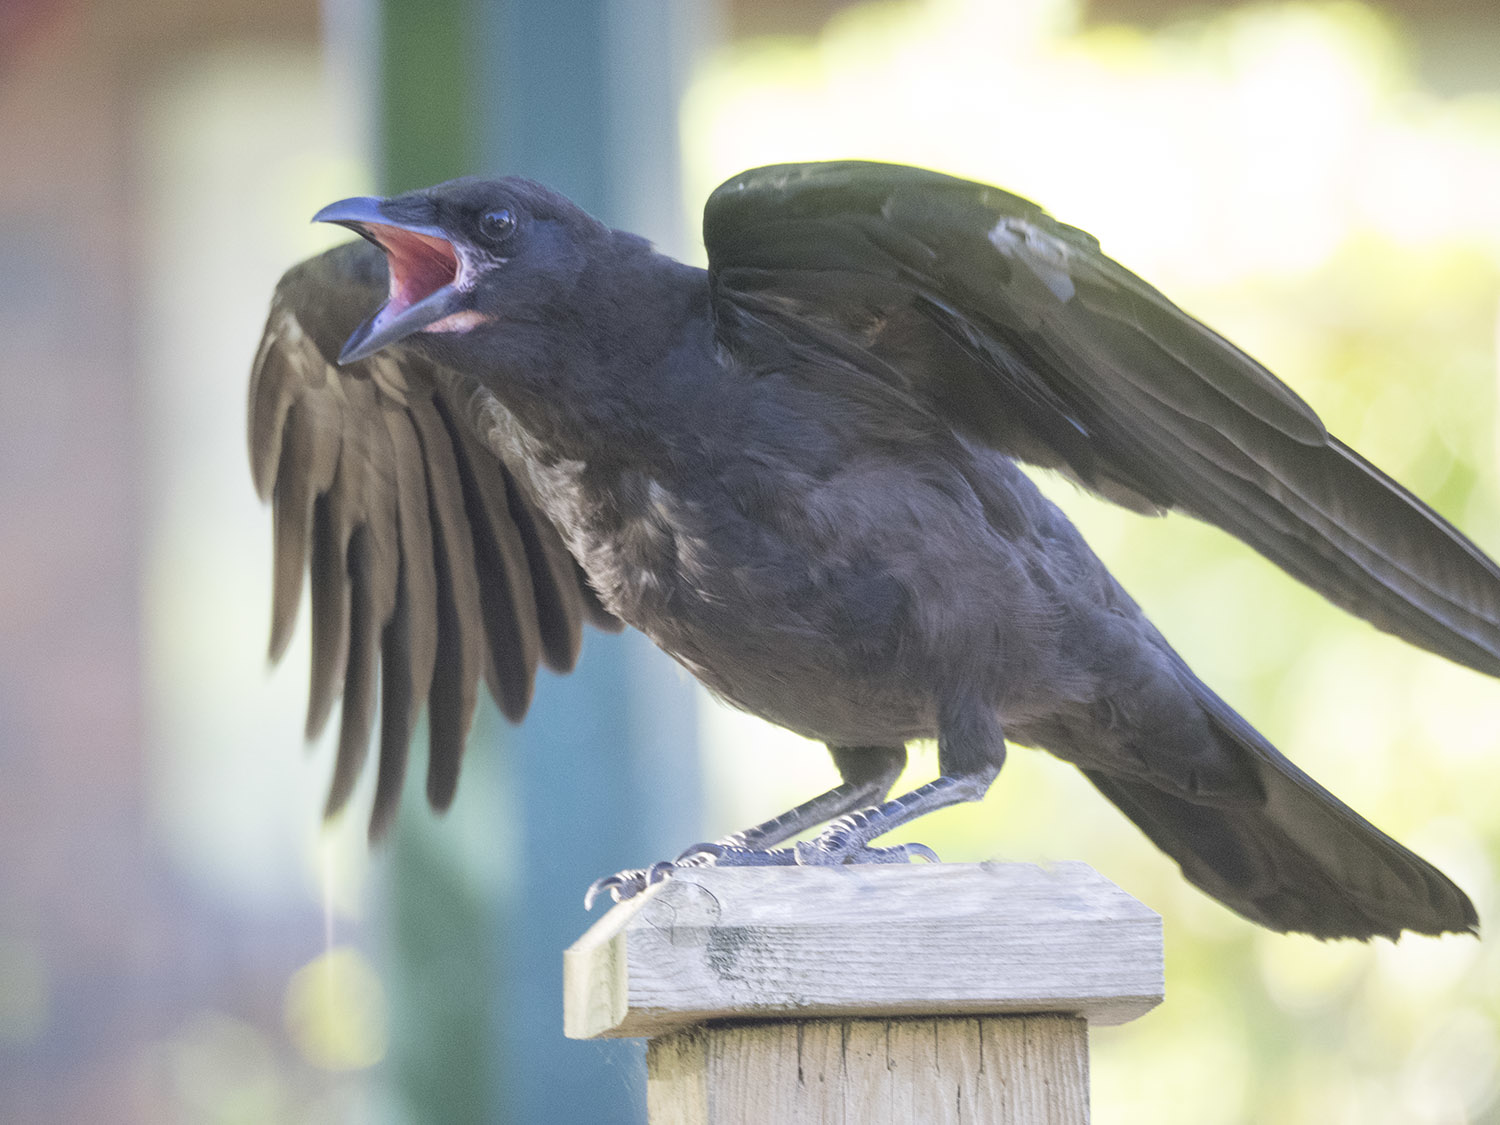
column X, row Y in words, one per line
column 1119, row 385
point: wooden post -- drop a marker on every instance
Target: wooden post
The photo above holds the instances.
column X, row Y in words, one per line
column 945, row 993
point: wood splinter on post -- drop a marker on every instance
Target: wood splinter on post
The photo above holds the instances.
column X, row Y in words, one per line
column 870, row 995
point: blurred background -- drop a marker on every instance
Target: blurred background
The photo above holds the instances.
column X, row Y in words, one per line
column 181, row 940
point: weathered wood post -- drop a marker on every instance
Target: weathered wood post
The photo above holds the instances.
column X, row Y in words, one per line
column 947, row 993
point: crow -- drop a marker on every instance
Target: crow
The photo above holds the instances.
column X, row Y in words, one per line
column 496, row 418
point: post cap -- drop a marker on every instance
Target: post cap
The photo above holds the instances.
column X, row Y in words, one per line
column 864, row 941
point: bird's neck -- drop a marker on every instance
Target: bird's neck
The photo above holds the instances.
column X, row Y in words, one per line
column 612, row 378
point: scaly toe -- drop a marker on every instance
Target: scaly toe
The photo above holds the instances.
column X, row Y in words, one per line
column 836, row 847
column 706, row 853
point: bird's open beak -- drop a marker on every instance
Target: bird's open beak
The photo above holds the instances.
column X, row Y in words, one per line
column 424, row 270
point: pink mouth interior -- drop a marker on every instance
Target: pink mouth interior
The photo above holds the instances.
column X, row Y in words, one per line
column 420, row 264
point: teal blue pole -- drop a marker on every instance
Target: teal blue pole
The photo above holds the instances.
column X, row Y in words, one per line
column 606, row 767
column 580, row 94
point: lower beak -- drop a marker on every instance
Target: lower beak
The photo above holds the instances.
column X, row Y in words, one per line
column 386, row 327
column 415, row 253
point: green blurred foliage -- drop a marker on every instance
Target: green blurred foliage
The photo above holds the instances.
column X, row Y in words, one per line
column 427, row 95
column 443, row 990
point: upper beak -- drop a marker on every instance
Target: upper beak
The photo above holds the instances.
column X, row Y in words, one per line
column 423, row 269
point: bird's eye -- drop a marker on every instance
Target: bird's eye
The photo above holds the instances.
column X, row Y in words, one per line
column 498, row 225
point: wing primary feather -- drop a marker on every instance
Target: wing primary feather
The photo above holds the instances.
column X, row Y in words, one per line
column 509, row 604
column 460, row 631
column 409, row 641
column 291, row 526
column 358, row 715
column 274, row 384
column 414, row 524
column 1318, row 510
column 1435, row 598
column 330, row 617
column 555, row 579
column 398, row 715
column 365, row 494
column 1387, row 556
column 549, row 572
column 308, row 461
column 452, row 697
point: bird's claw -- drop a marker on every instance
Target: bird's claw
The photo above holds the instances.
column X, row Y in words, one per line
column 610, row 883
column 627, row 884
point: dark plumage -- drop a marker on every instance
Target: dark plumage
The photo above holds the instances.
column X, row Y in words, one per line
column 795, row 473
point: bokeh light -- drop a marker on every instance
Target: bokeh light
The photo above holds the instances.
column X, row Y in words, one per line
column 336, row 1011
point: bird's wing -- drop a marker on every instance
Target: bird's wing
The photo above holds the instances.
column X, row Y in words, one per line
column 420, row 547
column 1020, row 333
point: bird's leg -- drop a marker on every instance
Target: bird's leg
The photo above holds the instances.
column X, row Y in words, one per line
column 971, row 750
column 867, row 773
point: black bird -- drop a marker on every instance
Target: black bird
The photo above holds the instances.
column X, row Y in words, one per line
column 796, row 473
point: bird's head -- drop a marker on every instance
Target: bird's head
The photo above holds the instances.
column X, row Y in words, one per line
column 465, row 257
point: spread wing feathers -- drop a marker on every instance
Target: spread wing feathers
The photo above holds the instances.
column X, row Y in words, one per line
column 1020, row 333
column 427, row 565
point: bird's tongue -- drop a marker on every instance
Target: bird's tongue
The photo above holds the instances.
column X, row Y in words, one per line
column 420, row 264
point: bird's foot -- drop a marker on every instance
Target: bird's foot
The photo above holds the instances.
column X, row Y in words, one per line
column 719, row 853
column 846, row 840
column 626, row 884
column 841, row 842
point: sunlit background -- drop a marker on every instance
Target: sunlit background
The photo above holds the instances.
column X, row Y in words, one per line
column 180, row 939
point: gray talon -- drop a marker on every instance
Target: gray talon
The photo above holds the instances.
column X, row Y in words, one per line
column 607, row 882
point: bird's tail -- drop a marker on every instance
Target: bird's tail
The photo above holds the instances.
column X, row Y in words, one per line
column 1295, row 858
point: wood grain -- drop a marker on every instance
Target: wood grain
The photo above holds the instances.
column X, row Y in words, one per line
column 805, row 943
column 1020, row 1070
